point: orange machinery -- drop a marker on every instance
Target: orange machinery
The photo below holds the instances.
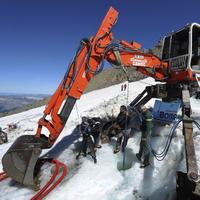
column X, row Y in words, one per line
column 178, row 69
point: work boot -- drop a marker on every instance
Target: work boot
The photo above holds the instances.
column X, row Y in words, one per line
column 116, row 150
column 81, row 154
column 97, row 147
column 138, row 156
column 95, row 160
column 144, row 164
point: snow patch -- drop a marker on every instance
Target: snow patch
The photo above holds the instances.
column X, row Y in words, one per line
column 104, row 180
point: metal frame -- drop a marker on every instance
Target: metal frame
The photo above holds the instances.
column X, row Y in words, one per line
column 189, row 46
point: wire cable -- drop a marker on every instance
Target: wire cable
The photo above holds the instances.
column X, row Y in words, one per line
column 125, row 136
column 161, row 156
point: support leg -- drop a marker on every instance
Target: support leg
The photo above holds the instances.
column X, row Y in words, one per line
column 192, row 170
column 188, row 185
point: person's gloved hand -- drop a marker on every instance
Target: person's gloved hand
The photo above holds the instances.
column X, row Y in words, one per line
column 117, row 126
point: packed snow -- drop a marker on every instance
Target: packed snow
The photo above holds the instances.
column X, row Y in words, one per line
column 104, row 180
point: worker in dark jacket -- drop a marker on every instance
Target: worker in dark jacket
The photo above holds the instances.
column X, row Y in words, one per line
column 121, row 126
column 146, row 129
column 87, row 142
column 96, row 125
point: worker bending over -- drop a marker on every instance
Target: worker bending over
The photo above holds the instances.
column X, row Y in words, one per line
column 146, row 129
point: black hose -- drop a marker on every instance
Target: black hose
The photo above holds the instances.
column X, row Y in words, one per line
column 162, row 155
column 101, row 65
column 74, row 72
column 83, row 43
column 197, row 124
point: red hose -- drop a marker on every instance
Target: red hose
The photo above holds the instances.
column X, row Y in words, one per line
column 3, row 176
column 64, row 172
column 52, row 183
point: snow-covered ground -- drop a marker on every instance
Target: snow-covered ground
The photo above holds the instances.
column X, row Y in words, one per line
column 103, row 181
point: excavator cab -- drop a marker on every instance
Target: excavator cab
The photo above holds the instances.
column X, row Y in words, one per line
column 181, row 49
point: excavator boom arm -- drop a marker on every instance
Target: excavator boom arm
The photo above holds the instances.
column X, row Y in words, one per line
column 126, row 54
column 86, row 63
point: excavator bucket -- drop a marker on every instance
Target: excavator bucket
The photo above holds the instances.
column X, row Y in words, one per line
column 20, row 160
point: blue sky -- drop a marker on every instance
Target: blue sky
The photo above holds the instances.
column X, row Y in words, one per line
column 39, row 37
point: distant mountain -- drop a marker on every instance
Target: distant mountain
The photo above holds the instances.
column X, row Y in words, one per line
column 11, row 103
column 112, row 76
column 23, row 94
column 157, row 49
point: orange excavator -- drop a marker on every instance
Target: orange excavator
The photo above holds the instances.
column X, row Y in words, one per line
column 178, row 70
